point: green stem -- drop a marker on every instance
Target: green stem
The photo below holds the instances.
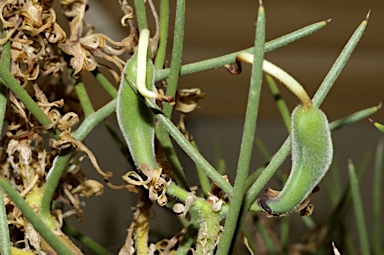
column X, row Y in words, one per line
column 60, row 162
column 177, row 53
column 141, row 14
column 281, row 105
column 169, row 150
column 270, row 247
column 284, row 234
column 82, row 94
column 230, row 58
column 209, row 230
column 49, row 188
column 188, row 148
column 5, row 247
column 354, row 117
column 377, row 181
column 10, row 82
column 359, row 212
column 343, row 206
column 262, row 149
column 203, row 178
column 37, row 223
column 95, row 118
column 226, row 238
column 4, row 63
column 111, row 90
column 187, row 240
column 85, row 240
column 339, row 64
column 164, row 24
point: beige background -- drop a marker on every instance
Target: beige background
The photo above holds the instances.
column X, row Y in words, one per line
column 215, row 27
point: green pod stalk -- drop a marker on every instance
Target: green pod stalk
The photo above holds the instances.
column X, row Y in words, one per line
column 312, row 153
column 135, row 120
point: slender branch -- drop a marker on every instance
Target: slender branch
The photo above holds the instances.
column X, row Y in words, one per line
column 226, row 239
column 339, row 64
column 5, row 248
column 111, row 90
column 164, row 24
column 281, row 105
column 32, row 217
column 177, row 53
column 85, row 240
column 82, row 94
column 359, row 211
column 10, row 82
column 230, row 58
column 60, row 162
column 377, row 202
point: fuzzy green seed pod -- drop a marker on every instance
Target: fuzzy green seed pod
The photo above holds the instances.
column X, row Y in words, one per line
column 136, row 121
column 312, row 153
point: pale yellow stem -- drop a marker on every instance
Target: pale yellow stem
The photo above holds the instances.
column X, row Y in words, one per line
column 281, row 75
column 142, row 65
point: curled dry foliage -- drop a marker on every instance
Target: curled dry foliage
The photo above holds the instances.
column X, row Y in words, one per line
column 25, row 160
column 42, row 54
column 40, row 46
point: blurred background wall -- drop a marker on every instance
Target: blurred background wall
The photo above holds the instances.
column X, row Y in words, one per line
column 217, row 27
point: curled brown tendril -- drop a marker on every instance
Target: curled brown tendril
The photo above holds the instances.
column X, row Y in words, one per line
column 156, row 184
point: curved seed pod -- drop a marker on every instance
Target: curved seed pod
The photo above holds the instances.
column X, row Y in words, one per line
column 311, row 157
column 135, row 120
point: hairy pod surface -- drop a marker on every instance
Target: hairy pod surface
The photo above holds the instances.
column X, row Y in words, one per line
column 312, row 153
column 135, row 120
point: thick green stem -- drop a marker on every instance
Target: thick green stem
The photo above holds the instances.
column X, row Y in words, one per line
column 226, row 238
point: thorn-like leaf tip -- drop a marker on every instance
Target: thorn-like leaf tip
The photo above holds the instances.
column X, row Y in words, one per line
column 367, row 17
column 328, row 20
column 379, row 106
